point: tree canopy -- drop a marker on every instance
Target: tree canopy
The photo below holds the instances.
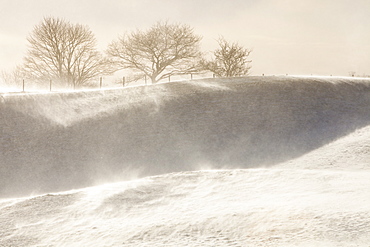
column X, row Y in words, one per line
column 230, row 59
column 159, row 52
column 64, row 52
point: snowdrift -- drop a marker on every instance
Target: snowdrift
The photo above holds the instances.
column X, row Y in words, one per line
column 351, row 152
column 250, row 207
column 60, row 141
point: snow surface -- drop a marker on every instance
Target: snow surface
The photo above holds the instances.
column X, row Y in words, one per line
column 305, row 142
column 256, row 207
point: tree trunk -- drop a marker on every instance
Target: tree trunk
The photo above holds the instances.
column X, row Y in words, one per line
column 153, row 79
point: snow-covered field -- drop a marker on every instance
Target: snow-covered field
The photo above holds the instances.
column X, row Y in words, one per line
column 257, row 161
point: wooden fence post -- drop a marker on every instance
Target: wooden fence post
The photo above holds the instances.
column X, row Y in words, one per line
column 23, row 86
column 101, row 82
column 50, row 84
column 123, row 81
column 145, row 79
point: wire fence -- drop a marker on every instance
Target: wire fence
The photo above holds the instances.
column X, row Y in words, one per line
column 102, row 82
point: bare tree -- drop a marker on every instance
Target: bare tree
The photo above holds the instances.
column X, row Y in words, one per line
column 13, row 77
column 163, row 50
column 230, row 59
column 64, row 52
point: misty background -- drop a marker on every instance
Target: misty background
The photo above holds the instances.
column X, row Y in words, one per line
column 323, row 37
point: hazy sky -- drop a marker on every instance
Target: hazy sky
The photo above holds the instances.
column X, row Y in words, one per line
column 287, row 36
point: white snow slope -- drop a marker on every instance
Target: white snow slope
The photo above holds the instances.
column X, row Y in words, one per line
column 305, row 142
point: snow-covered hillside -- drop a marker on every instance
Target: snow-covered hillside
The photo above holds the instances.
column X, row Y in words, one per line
column 305, row 142
column 60, row 141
